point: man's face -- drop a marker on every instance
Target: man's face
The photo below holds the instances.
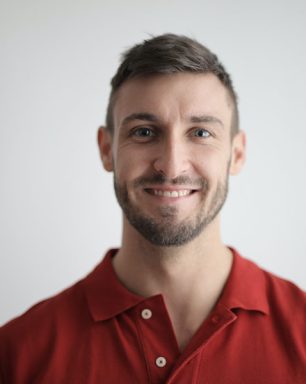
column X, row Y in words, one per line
column 171, row 153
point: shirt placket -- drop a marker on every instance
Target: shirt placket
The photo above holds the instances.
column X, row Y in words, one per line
column 187, row 367
column 157, row 338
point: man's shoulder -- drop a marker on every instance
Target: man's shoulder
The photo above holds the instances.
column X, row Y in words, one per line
column 287, row 301
column 284, row 298
column 43, row 332
column 66, row 311
column 49, row 328
column 273, row 305
column 45, row 315
column 280, row 287
column 252, row 287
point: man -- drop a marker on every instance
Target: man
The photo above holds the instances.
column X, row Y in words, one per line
column 173, row 304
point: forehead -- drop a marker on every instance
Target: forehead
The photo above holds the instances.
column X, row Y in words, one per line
column 172, row 97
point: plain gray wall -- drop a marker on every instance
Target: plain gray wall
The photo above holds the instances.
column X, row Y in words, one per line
column 58, row 214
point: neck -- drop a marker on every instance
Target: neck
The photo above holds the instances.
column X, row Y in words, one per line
column 190, row 277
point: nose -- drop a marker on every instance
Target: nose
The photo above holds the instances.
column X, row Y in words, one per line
column 172, row 159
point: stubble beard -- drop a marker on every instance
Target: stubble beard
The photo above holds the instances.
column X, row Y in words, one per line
column 166, row 232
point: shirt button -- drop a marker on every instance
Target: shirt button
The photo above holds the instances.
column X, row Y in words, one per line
column 146, row 314
column 161, row 361
column 215, row 319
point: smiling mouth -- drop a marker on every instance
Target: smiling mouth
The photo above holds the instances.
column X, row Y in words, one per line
column 172, row 193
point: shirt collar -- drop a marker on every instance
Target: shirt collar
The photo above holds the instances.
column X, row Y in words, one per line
column 246, row 286
column 107, row 297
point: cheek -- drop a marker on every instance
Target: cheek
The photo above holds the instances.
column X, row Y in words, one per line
column 130, row 164
column 211, row 164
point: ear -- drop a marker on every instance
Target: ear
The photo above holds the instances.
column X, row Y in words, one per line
column 238, row 153
column 105, row 146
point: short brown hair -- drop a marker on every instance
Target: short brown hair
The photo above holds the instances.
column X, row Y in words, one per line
column 168, row 54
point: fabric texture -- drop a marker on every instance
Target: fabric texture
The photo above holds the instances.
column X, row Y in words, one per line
column 99, row 332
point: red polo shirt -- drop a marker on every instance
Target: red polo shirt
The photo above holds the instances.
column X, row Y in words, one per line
column 99, row 332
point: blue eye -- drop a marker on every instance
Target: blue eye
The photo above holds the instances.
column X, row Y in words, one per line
column 201, row 132
column 143, row 132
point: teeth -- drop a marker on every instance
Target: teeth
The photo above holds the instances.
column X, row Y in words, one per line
column 180, row 193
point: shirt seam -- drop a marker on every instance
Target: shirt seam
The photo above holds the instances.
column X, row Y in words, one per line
column 198, row 363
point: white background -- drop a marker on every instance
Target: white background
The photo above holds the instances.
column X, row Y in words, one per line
column 58, row 214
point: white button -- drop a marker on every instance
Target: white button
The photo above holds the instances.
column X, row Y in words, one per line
column 161, row 361
column 215, row 319
column 146, row 314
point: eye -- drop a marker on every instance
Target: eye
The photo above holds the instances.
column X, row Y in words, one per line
column 143, row 132
column 201, row 132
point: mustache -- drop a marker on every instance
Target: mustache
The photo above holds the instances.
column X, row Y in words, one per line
column 160, row 179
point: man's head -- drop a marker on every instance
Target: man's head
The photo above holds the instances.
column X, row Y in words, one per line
column 170, row 139
column 169, row 54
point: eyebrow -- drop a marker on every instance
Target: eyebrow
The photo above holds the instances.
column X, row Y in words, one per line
column 144, row 116
column 206, row 119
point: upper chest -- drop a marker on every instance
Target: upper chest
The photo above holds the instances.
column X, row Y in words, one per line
column 139, row 346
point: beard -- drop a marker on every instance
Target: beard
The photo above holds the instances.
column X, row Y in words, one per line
column 164, row 231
